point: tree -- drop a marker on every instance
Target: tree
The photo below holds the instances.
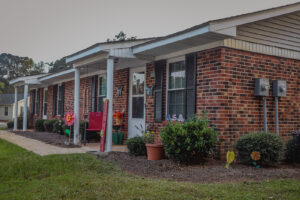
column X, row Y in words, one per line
column 121, row 37
column 58, row 65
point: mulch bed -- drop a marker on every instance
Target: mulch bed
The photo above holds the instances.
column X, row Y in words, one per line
column 212, row 172
column 46, row 137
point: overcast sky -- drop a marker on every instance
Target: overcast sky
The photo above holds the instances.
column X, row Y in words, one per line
column 46, row 30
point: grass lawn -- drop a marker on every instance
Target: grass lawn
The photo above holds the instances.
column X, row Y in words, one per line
column 25, row 175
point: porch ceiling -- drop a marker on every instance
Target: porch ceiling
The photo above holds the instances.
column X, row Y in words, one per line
column 202, row 39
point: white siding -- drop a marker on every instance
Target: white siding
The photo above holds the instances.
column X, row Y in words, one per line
column 2, row 110
column 282, row 32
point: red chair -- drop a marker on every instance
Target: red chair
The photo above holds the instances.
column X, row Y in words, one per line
column 95, row 121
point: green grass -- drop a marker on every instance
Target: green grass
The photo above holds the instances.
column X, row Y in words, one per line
column 24, row 175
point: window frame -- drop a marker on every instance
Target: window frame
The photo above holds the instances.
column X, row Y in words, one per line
column 6, row 111
column 57, row 99
column 170, row 61
column 36, row 103
column 44, row 101
column 98, row 90
column 138, row 95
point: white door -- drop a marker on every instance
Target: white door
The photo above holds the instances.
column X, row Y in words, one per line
column 45, row 103
column 137, row 83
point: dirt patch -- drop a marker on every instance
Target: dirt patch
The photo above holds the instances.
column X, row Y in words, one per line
column 212, row 172
column 48, row 138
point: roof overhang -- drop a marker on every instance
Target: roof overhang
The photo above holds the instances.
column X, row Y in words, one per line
column 27, row 80
column 209, row 32
column 194, row 36
column 67, row 74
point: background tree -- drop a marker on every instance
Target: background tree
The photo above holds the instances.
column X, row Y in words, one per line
column 121, row 37
column 58, row 65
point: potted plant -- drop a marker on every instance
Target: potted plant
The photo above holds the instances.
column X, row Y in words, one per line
column 118, row 135
column 153, row 146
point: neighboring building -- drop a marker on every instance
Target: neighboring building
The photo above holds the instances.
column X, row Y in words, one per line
column 7, row 106
column 210, row 67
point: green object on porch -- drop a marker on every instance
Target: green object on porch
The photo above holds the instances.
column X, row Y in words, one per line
column 115, row 138
column 120, row 138
column 67, row 131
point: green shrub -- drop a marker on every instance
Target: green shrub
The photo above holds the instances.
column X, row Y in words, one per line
column 268, row 145
column 39, row 125
column 20, row 123
column 48, row 124
column 189, row 142
column 292, row 152
column 59, row 127
column 136, row 146
column 10, row 124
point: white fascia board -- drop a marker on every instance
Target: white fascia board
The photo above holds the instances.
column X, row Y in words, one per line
column 122, row 53
column 173, row 39
column 92, row 59
column 253, row 17
column 21, row 80
column 83, row 54
column 57, row 75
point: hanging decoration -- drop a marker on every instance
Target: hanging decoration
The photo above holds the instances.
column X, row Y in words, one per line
column 119, row 90
column 149, row 90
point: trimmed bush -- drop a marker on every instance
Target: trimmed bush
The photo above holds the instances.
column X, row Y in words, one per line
column 292, row 152
column 10, row 124
column 48, row 125
column 136, row 146
column 39, row 125
column 20, row 123
column 268, row 145
column 58, row 127
column 189, row 142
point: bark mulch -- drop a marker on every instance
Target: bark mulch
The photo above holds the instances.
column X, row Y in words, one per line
column 46, row 137
column 211, row 172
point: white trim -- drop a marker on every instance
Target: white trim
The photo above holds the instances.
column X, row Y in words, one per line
column 193, row 33
column 57, row 74
column 44, row 91
column 169, row 61
column 130, row 119
column 253, row 17
column 83, row 54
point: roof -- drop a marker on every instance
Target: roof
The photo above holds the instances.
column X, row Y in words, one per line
column 107, row 43
column 7, row 99
column 224, row 26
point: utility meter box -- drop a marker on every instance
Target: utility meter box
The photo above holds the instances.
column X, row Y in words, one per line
column 279, row 88
column 262, row 87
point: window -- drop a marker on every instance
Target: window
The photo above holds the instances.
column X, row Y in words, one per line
column 6, row 111
column 176, row 106
column 59, row 100
column 101, row 92
column 37, row 101
column 45, row 101
column 138, row 82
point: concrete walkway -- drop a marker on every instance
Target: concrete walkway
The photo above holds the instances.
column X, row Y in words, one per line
column 37, row 146
column 43, row 149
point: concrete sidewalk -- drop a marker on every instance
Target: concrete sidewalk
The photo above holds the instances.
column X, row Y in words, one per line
column 37, row 146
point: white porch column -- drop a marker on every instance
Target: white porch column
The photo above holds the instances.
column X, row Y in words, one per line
column 16, row 109
column 109, row 90
column 76, row 106
column 25, row 107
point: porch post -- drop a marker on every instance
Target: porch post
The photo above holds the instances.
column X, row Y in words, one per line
column 16, row 109
column 25, row 107
column 76, row 106
column 109, row 89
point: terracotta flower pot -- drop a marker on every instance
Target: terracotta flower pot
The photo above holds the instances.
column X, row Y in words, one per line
column 155, row 151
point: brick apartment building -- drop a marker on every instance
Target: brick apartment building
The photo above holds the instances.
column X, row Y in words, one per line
column 210, row 67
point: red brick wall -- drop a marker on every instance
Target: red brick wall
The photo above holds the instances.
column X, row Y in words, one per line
column 150, row 100
column 241, row 110
column 121, row 78
column 225, row 89
column 69, row 97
